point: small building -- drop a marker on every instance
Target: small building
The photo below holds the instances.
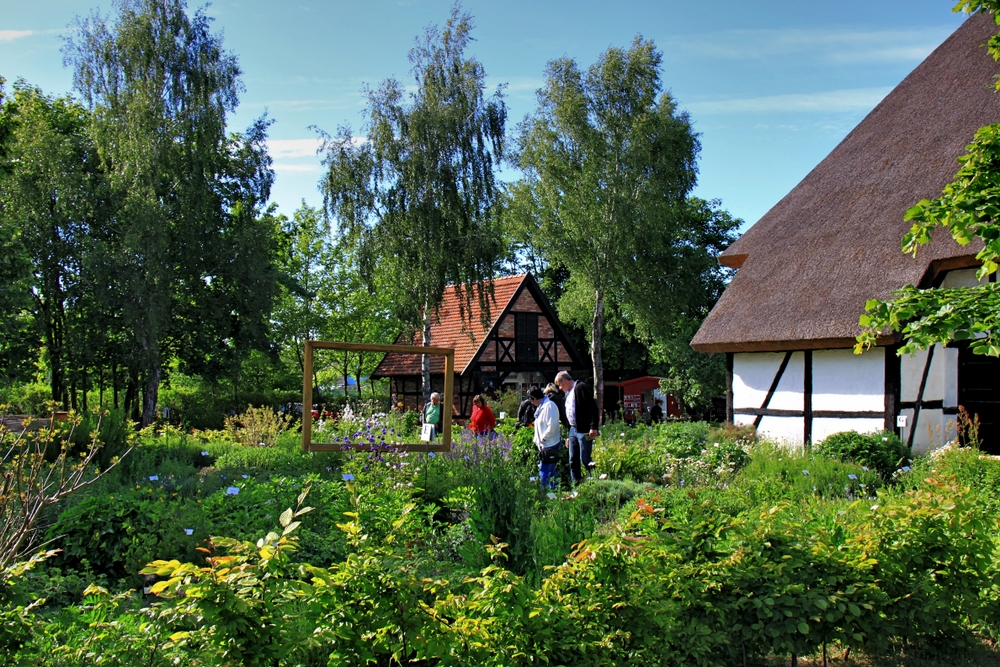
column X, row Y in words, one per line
column 522, row 344
column 788, row 319
column 639, row 394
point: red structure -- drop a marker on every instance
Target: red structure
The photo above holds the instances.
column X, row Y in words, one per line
column 638, row 395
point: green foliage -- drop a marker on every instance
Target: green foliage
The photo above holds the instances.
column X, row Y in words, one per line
column 26, row 399
column 117, row 534
column 193, row 274
column 257, row 427
column 884, row 452
column 751, row 563
column 775, row 473
column 419, row 200
column 504, row 506
column 609, row 162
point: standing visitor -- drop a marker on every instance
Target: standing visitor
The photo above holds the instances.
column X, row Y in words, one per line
column 432, row 414
column 526, row 411
column 656, row 412
column 582, row 418
column 482, row 421
column 547, row 435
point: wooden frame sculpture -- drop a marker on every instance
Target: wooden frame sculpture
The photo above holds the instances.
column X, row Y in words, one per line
column 444, row 444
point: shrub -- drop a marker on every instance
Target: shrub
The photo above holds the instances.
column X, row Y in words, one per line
column 27, row 399
column 257, row 427
column 776, row 473
column 117, row 534
column 504, row 505
column 883, row 452
column 683, row 439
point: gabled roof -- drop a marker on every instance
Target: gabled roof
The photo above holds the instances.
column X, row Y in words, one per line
column 467, row 335
column 808, row 266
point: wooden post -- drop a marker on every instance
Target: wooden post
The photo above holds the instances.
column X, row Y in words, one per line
column 448, row 399
column 307, row 396
column 730, row 417
column 807, row 400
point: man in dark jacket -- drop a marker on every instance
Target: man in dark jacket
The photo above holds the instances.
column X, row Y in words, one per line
column 583, row 418
column 526, row 412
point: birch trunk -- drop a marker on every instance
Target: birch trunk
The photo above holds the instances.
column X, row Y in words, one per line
column 425, row 359
column 596, row 339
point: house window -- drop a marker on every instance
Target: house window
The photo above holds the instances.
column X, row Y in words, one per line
column 526, row 333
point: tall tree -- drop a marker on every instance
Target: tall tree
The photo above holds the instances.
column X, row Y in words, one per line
column 419, row 198
column 191, row 253
column 609, row 162
column 51, row 193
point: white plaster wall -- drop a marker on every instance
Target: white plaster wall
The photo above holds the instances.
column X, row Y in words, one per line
column 846, row 381
column 788, row 430
column 753, row 374
column 824, row 427
column 942, row 378
column 934, row 429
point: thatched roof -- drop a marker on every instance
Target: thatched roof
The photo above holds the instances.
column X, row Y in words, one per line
column 808, row 266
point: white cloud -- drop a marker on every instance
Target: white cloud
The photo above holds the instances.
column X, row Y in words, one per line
column 297, row 167
column 831, row 45
column 837, row 101
column 292, row 148
column 11, row 35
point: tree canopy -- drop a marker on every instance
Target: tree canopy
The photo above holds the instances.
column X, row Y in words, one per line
column 418, row 197
column 188, row 251
column 609, row 163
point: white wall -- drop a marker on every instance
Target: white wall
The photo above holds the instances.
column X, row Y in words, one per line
column 846, row 381
column 841, row 381
column 933, row 427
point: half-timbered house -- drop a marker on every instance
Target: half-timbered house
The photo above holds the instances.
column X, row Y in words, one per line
column 788, row 319
column 522, row 343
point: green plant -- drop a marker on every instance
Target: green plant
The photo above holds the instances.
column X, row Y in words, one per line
column 116, row 534
column 884, row 452
column 504, row 506
column 234, row 606
column 258, row 427
column 30, row 484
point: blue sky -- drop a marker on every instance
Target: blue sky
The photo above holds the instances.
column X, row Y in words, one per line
column 771, row 86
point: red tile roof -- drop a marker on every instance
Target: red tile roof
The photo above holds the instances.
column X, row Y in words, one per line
column 449, row 329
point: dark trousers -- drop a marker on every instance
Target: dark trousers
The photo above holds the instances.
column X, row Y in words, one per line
column 580, row 449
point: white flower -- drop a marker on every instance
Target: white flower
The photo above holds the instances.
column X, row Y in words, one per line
column 603, row 475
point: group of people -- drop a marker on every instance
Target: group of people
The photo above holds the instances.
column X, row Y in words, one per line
column 566, row 403
column 482, row 421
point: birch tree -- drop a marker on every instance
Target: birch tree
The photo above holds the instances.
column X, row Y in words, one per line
column 192, row 253
column 418, row 196
column 609, row 161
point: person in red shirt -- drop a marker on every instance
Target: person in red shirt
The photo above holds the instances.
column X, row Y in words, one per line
column 482, row 420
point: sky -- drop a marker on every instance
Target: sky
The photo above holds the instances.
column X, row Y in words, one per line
column 771, row 86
